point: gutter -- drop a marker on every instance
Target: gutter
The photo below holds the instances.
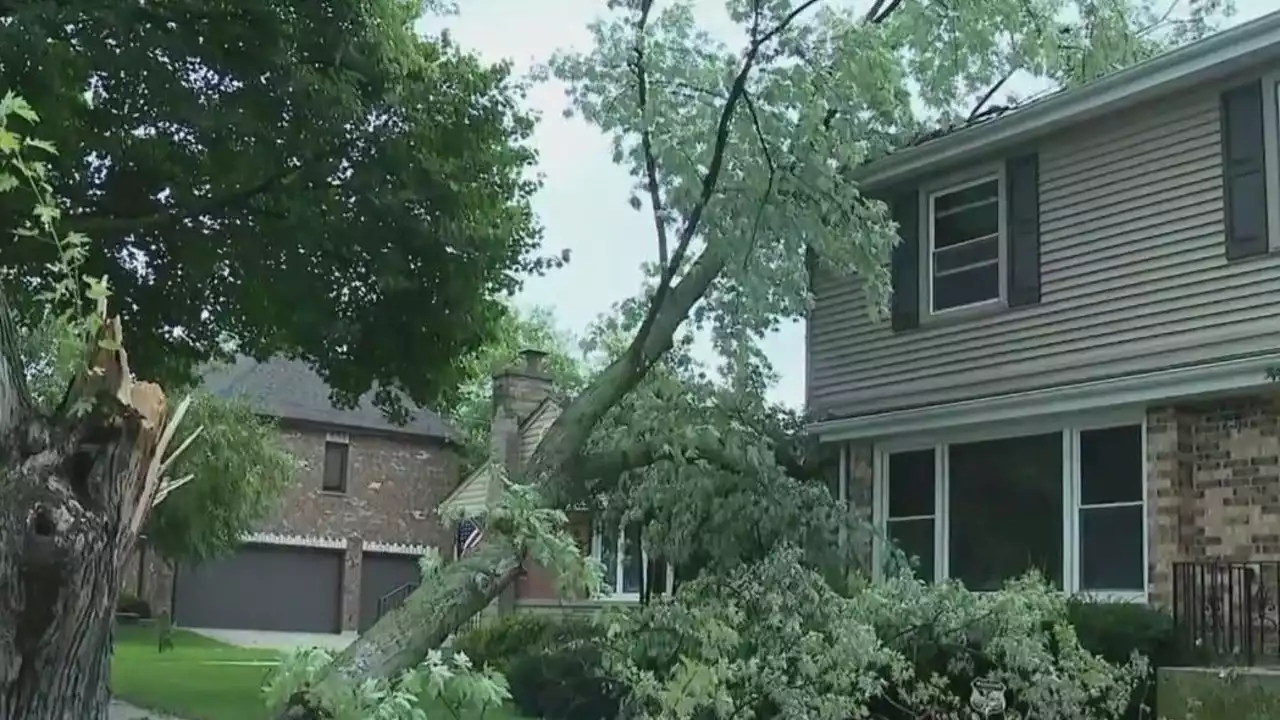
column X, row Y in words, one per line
column 1181, row 383
column 1212, row 57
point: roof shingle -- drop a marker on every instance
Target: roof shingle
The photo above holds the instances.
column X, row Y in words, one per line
column 289, row 389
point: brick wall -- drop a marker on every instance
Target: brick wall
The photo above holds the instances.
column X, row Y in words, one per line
column 1214, row 484
column 394, row 485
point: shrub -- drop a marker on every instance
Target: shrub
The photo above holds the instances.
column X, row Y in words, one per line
column 554, row 664
column 129, row 604
column 1114, row 630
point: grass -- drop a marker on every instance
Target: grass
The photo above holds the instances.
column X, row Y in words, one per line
column 181, row 681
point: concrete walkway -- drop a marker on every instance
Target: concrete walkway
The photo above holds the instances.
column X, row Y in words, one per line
column 124, row 711
column 278, row 640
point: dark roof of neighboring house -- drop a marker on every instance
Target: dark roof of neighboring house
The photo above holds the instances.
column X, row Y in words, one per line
column 289, row 389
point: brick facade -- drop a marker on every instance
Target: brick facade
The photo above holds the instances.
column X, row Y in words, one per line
column 395, row 484
column 1213, row 473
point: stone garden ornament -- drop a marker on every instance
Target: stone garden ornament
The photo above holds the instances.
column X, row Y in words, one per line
column 988, row 698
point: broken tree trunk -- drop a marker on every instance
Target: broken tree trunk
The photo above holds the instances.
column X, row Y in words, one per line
column 75, row 487
column 402, row 638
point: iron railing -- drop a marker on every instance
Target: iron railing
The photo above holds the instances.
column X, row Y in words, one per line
column 1226, row 612
column 395, row 598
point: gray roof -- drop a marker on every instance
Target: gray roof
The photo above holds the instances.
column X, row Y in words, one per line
column 289, row 389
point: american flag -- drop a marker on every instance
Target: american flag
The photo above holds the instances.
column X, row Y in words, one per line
column 469, row 535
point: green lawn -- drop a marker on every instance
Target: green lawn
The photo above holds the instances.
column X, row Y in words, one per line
column 181, row 682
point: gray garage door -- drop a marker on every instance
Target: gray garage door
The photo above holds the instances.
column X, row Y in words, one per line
column 263, row 587
column 379, row 575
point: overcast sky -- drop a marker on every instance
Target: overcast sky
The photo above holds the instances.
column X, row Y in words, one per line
column 583, row 205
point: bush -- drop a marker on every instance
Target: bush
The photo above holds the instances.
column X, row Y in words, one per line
column 554, row 664
column 1114, row 630
column 129, row 604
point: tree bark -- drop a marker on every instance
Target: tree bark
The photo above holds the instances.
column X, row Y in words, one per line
column 74, row 489
column 403, row 637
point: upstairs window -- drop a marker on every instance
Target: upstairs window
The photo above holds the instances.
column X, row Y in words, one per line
column 964, row 245
column 336, row 456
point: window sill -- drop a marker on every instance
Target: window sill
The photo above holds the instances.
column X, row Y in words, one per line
column 616, row 598
column 335, row 493
column 963, row 314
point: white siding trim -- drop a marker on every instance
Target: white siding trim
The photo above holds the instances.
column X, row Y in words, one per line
column 395, row 548
column 312, row 541
column 1133, row 390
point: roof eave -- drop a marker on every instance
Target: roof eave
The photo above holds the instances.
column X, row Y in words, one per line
column 1214, row 57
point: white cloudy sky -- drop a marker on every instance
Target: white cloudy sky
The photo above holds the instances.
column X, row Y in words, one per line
column 583, row 205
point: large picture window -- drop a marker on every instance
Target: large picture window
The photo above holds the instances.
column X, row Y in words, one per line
column 1005, row 500
column 964, row 245
column 1069, row 503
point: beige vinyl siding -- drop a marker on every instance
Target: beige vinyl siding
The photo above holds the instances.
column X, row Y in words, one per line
column 472, row 495
column 1134, row 278
column 536, row 428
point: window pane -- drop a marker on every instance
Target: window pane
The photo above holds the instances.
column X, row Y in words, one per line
column 1111, row 465
column 335, row 466
column 609, row 558
column 1006, row 510
column 915, row 538
column 1111, row 548
column 966, row 255
column 632, row 561
column 965, row 223
column 911, row 482
column 966, row 287
column 966, row 196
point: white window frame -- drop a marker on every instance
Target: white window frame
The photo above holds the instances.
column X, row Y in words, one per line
column 927, row 198
column 597, row 554
column 1271, row 151
column 1070, row 429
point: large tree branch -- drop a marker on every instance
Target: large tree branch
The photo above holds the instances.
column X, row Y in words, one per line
column 646, row 138
column 106, row 224
column 608, row 464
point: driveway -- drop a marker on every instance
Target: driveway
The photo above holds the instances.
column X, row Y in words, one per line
column 123, row 711
column 278, row 640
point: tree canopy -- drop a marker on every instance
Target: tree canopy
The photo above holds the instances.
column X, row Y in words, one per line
column 309, row 178
column 744, row 156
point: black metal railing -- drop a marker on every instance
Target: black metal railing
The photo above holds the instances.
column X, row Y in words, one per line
column 1226, row 612
column 393, row 599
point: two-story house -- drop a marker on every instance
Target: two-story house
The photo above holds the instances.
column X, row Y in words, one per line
column 1086, row 305
column 350, row 530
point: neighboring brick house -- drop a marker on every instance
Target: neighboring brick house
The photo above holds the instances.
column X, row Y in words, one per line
column 525, row 406
column 1086, row 306
column 349, row 532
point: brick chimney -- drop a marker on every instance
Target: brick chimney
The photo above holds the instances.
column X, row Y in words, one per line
column 517, row 392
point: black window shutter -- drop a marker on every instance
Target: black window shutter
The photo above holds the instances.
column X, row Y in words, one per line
column 1022, row 180
column 1244, row 177
column 905, row 269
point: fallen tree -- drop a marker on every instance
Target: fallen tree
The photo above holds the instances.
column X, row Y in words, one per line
column 744, row 160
